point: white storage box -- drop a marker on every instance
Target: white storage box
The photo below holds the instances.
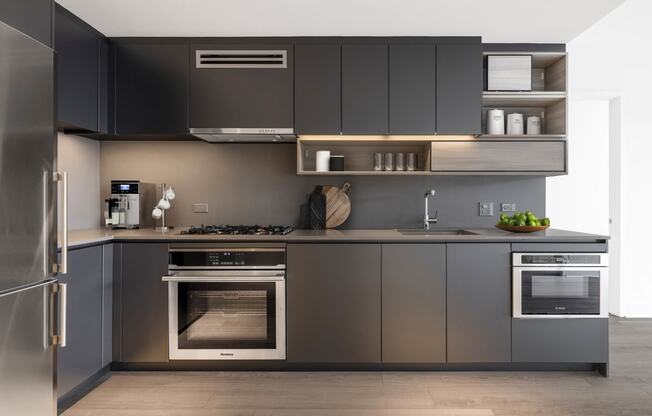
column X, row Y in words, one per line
column 509, row 73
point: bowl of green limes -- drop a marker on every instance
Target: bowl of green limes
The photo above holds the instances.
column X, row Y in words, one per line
column 522, row 222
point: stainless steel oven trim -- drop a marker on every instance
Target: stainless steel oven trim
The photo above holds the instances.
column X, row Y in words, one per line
column 230, row 249
column 276, row 267
column 517, row 311
column 517, row 260
column 279, row 353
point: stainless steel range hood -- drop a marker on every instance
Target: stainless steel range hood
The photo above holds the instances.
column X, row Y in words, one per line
column 244, row 135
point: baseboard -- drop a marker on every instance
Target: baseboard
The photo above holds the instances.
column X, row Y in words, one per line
column 285, row 366
column 73, row 396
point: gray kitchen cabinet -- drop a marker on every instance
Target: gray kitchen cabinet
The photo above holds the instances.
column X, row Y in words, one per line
column 478, row 303
column 333, row 303
column 254, row 93
column 81, row 358
column 78, row 47
column 317, row 89
column 459, row 88
column 412, row 89
column 584, row 340
column 32, row 17
column 497, row 156
column 365, row 91
column 144, row 304
column 151, row 87
column 107, row 304
column 414, row 303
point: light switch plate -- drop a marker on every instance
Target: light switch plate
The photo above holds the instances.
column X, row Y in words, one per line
column 486, row 209
column 200, row 208
column 508, row 207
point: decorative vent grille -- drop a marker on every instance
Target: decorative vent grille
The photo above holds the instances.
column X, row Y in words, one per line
column 241, row 59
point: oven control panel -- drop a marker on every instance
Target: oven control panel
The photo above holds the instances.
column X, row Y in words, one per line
column 231, row 258
column 560, row 259
column 226, row 258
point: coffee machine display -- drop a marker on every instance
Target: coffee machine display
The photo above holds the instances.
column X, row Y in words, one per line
column 128, row 205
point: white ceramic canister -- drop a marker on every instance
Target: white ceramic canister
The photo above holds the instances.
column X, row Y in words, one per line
column 515, row 124
column 323, row 159
column 534, row 125
column 495, row 121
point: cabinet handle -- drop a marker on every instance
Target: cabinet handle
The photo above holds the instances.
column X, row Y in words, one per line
column 63, row 178
column 62, row 289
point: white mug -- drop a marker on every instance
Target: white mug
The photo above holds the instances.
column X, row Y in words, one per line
column 157, row 213
column 169, row 194
column 163, row 204
column 323, row 158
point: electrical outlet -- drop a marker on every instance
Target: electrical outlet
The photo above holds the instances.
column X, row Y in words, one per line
column 508, row 207
column 200, row 208
column 486, row 209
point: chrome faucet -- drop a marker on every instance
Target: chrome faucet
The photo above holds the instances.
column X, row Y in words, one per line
column 426, row 217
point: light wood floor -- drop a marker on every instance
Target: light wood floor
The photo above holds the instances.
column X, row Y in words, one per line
column 627, row 392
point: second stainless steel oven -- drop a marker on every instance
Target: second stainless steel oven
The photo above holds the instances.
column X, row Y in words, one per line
column 226, row 302
column 559, row 285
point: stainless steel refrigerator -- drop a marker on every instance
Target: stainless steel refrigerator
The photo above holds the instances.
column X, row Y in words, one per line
column 32, row 302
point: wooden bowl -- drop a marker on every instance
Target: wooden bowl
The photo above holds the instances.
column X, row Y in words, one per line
column 523, row 229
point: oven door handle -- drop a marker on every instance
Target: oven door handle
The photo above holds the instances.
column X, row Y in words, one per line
column 272, row 277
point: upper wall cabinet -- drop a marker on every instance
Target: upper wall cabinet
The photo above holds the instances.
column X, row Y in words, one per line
column 459, row 88
column 32, row 17
column 365, row 91
column 78, row 48
column 412, row 89
column 151, row 92
column 317, row 89
column 241, row 86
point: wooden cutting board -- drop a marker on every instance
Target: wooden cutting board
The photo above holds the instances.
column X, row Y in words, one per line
column 338, row 204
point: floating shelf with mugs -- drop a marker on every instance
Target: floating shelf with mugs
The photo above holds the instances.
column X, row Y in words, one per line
column 363, row 155
column 525, row 94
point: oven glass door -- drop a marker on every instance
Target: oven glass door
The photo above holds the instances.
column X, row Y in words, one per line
column 226, row 315
column 560, row 292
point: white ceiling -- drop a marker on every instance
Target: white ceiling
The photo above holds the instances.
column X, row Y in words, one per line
column 495, row 20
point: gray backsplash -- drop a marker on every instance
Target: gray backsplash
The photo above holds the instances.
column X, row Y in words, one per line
column 257, row 183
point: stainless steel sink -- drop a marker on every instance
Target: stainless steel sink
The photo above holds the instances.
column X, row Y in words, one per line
column 417, row 231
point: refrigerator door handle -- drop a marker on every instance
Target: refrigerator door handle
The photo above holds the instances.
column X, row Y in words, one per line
column 62, row 291
column 63, row 178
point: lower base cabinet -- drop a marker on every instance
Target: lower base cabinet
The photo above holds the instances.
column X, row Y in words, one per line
column 333, row 303
column 414, row 303
column 583, row 340
column 144, row 306
column 81, row 358
column 478, row 303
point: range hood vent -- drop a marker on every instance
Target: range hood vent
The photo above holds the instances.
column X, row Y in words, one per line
column 248, row 135
column 241, row 59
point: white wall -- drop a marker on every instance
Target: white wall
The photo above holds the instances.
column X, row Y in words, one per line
column 80, row 157
column 612, row 60
column 579, row 201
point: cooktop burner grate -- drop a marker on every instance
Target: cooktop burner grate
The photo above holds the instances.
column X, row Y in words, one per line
column 240, row 230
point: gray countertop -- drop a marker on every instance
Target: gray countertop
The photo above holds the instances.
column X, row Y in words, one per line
column 101, row 235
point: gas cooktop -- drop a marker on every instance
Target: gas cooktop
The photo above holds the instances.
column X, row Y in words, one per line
column 240, row 230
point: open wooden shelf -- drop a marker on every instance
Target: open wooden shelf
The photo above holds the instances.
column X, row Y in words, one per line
column 359, row 152
column 489, row 137
column 522, row 99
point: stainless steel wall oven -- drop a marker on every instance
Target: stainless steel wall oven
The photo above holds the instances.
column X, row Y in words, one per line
column 564, row 285
column 226, row 302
